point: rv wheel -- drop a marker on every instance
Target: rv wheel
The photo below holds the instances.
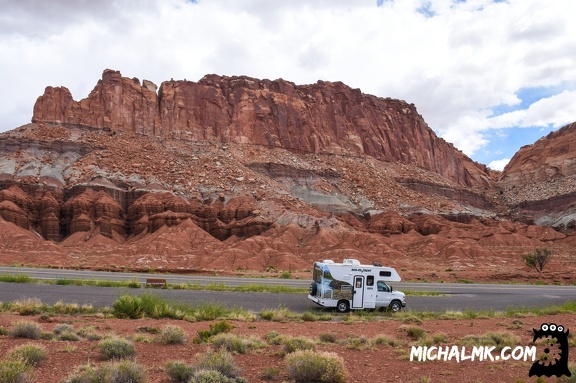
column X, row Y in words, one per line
column 313, row 289
column 343, row 306
column 395, row 306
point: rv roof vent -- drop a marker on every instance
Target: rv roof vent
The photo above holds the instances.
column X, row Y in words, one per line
column 328, row 261
column 350, row 261
column 377, row 264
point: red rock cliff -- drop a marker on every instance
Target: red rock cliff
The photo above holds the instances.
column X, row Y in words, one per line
column 548, row 158
column 324, row 117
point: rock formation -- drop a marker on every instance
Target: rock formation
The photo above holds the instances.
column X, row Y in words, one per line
column 324, row 117
column 235, row 173
column 540, row 180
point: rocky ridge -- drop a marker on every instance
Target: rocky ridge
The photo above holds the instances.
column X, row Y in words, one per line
column 540, row 180
column 219, row 175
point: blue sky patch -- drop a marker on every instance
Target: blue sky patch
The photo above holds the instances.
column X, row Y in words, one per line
column 528, row 96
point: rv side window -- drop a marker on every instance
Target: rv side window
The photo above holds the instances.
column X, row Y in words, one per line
column 382, row 286
column 370, row 280
column 385, row 274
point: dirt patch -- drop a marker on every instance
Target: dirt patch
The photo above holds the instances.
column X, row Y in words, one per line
column 365, row 346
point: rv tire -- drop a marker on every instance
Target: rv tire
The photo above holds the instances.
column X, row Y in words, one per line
column 313, row 289
column 343, row 306
column 395, row 306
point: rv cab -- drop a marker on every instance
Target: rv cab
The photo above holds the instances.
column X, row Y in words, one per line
column 351, row 285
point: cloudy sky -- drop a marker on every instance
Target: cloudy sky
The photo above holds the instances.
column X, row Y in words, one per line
column 488, row 76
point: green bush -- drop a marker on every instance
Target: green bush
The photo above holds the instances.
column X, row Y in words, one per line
column 292, row 344
column 273, row 337
column 215, row 329
column 230, row 343
column 210, row 376
column 235, row 343
column 126, row 372
column 89, row 332
column 62, row 328
column 117, row 372
column 270, row 373
column 221, row 361
column 68, row 336
column 415, row 333
column 117, row 348
column 28, row 306
column 128, row 306
column 172, row 335
column 309, row 366
column 24, row 329
column 15, row 371
column 179, row 371
column 4, row 331
column 537, row 259
column 30, row 354
column 497, row 339
column 328, row 338
column 309, row 317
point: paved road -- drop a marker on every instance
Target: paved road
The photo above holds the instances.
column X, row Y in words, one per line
column 459, row 296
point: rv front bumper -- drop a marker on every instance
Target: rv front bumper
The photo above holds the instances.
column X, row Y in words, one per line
column 315, row 300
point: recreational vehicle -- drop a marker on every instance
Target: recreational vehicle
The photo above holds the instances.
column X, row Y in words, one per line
column 351, row 285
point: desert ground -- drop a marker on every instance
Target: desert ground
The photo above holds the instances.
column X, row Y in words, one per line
column 373, row 348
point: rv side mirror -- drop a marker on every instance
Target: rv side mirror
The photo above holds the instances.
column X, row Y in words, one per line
column 391, row 288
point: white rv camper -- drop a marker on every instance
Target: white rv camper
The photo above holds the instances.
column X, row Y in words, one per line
column 350, row 285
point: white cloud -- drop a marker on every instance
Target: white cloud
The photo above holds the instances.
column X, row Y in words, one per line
column 499, row 164
column 455, row 67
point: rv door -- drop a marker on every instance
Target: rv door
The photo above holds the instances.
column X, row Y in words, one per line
column 358, row 297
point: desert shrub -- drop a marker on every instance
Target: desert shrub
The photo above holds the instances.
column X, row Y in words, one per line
column 68, row 336
column 235, row 343
column 537, row 259
column 62, row 328
column 72, row 308
column 230, row 343
column 28, row 306
column 309, row 317
column 30, row 354
column 172, row 335
column 292, row 344
column 179, row 371
column 25, row 329
column 85, row 374
column 126, row 371
column 221, row 361
column 497, row 339
column 309, row 366
column 328, row 338
column 128, row 306
column 210, row 376
column 155, row 306
column 215, row 329
column 273, row 337
column 4, row 331
column 270, row 373
column 384, row 340
column 89, row 332
column 415, row 332
column 116, row 348
column 15, row 371
column 355, row 342
column 149, row 330
column 281, row 314
column 117, row 372
column 440, row 338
